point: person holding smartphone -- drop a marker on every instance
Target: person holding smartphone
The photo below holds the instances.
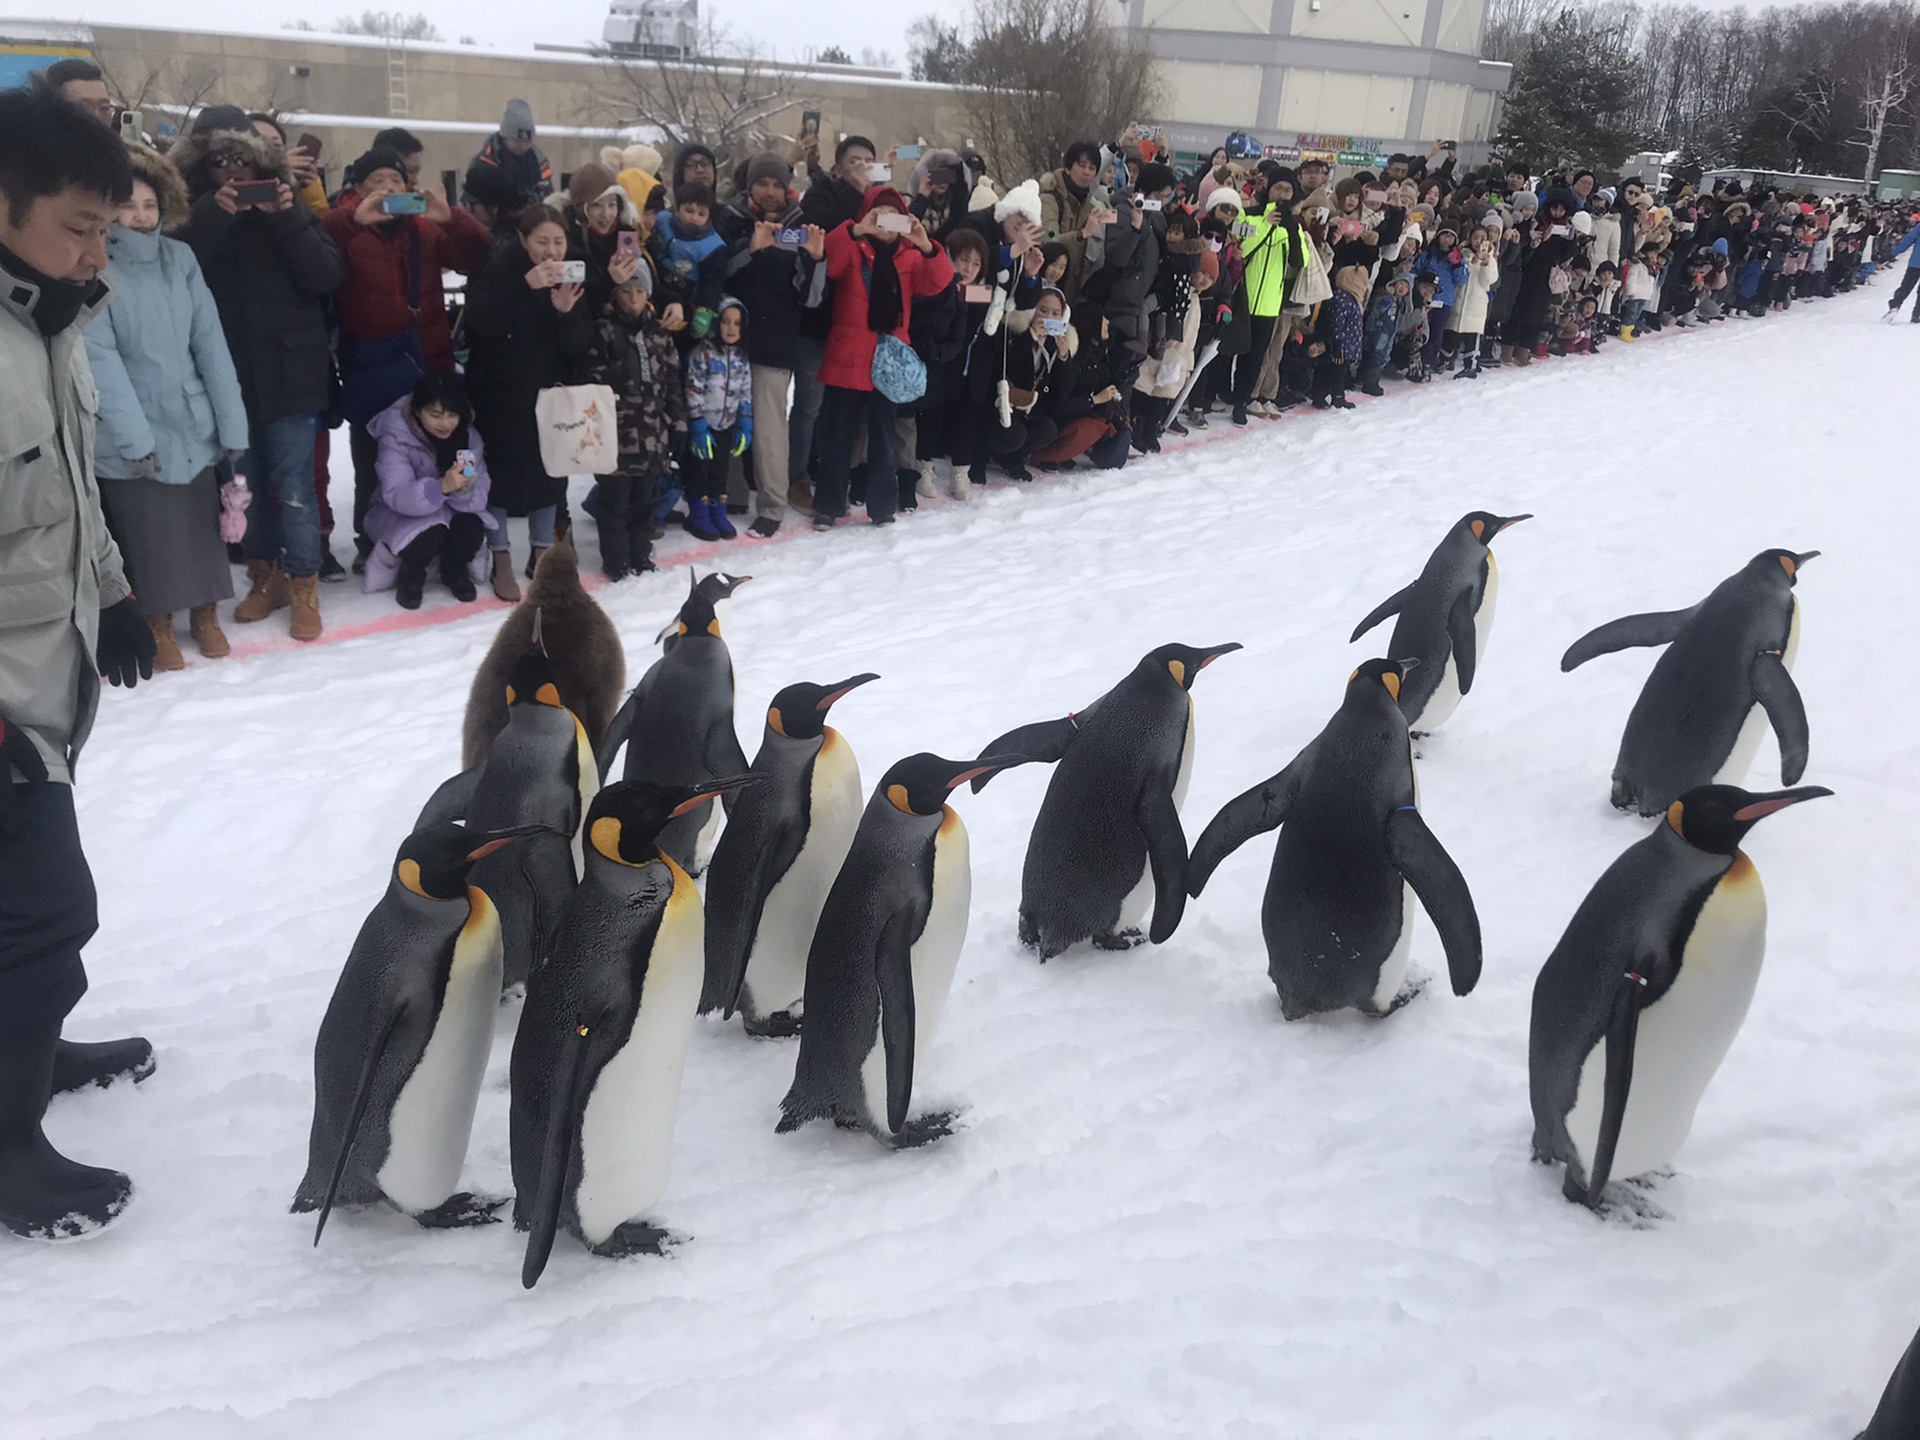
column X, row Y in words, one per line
column 430, row 510
column 1073, row 208
column 602, row 231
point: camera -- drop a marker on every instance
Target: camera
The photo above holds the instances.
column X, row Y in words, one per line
column 1151, row 206
column 256, row 192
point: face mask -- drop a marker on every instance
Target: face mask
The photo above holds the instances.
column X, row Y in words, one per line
column 1214, row 244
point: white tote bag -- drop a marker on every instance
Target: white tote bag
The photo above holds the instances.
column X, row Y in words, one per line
column 578, row 434
column 1312, row 286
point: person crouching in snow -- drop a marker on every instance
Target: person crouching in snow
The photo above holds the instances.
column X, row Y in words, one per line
column 431, row 503
column 1382, row 329
column 634, row 356
column 719, row 419
column 1338, row 337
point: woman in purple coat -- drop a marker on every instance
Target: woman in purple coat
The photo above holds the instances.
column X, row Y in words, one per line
column 432, row 501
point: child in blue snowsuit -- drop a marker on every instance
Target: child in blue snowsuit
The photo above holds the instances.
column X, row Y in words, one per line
column 1441, row 259
column 719, row 419
column 1382, row 328
column 690, row 261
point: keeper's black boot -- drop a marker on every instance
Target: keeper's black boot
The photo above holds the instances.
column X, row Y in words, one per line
column 44, row 1195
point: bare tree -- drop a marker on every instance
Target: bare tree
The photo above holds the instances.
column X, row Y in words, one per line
column 1040, row 74
column 1888, row 78
column 170, row 86
column 722, row 96
column 387, row 25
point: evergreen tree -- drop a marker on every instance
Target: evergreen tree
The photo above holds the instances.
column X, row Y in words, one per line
column 1571, row 93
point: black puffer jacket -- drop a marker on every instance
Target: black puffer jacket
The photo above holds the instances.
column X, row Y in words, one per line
column 270, row 275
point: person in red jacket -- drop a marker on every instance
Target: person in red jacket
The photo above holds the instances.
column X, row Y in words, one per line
column 876, row 272
column 391, row 311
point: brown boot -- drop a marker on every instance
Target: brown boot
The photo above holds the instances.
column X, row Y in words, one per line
column 504, row 585
column 166, row 649
column 204, row 622
column 800, row 496
column 533, row 560
column 304, row 623
column 269, row 592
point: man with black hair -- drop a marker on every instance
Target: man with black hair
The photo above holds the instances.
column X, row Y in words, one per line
column 834, row 197
column 82, row 83
column 399, row 140
column 67, row 618
column 1073, row 209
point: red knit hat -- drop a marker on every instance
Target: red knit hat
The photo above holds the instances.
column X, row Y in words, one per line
column 879, row 195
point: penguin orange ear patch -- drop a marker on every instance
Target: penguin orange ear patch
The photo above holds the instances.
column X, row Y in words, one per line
column 1675, row 813
column 777, row 724
column 605, row 836
column 513, row 696
column 409, row 873
column 1479, row 529
column 897, row 797
column 548, row 694
column 1786, row 564
column 1392, row 683
column 713, row 627
column 1178, row 670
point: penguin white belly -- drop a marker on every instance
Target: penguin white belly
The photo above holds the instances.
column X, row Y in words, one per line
column 777, row 954
column 1139, row 902
column 626, row 1132
column 589, row 786
column 432, row 1117
column 1393, row 970
column 708, row 837
column 1754, row 728
column 1446, row 696
column 1683, row 1037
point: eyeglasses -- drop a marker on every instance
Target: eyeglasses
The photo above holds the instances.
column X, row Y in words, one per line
column 227, row 160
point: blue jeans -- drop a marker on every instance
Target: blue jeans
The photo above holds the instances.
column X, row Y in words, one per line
column 807, row 395
column 539, row 528
column 283, row 523
column 840, row 412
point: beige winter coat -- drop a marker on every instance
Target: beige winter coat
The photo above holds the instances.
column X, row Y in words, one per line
column 1470, row 301
column 58, row 564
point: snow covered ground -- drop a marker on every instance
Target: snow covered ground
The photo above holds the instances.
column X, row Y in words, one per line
column 1167, row 1212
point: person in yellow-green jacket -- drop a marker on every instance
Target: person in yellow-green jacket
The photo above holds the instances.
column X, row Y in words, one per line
column 1271, row 255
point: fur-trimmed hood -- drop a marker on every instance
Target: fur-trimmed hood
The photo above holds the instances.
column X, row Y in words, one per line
column 154, row 168
column 189, row 156
column 1020, row 322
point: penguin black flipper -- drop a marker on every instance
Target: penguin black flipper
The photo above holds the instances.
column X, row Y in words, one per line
column 1461, row 631
column 1159, row 820
column 893, row 965
column 360, row 1093
column 1255, row 812
column 1773, row 687
column 448, row 805
column 1623, row 1027
column 1390, row 606
column 1043, row 743
column 1442, row 891
column 621, row 727
column 725, row 757
column 1898, row 1414
column 556, row 1153
column 731, row 930
column 1659, row 627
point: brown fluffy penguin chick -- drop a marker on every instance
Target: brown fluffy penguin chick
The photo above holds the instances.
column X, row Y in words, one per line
column 589, row 663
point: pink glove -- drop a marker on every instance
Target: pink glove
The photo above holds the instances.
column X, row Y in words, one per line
column 234, row 499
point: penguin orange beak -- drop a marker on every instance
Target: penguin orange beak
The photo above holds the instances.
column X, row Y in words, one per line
column 845, row 688
column 1778, row 800
column 1213, row 653
column 705, row 792
column 1510, row 520
column 990, row 765
column 500, row 839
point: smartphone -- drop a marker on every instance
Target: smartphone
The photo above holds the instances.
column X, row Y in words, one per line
column 407, row 202
column 627, row 247
column 894, row 221
column 1108, row 217
column 1053, row 327
column 1151, row 206
column 1561, row 230
column 1351, row 227
column 1245, row 229
column 130, row 125
column 906, row 152
column 256, row 192
column 309, row 145
column 573, row 272
column 795, row 235
column 1376, row 197
column 809, row 124
column 977, row 294
column 878, row 174
column 464, row 459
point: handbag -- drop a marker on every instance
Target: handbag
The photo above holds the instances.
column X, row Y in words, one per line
column 1313, row 286
column 898, row 373
column 578, row 433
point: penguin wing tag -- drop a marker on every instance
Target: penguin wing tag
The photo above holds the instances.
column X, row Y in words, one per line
column 1661, row 627
column 893, row 965
column 1159, row 820
column 1773, row 687
column 1392, row 605
column 1265, row 807
column 448, row 805
column 1460, row 630
column 1442, row 891
column 1042, row 743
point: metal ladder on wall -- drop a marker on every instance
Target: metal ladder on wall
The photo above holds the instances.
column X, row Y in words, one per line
column 397, row 81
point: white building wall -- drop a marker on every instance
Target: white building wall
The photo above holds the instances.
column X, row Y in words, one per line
column 1236, row 17
column 1460, row 26
column 1213, row 94
column 1378, row 22
column 1344, row 103
column 1446, row 117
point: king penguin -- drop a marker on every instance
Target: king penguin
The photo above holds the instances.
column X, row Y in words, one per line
column 1107, row 843
column 1639, row 1002
column 602, row 1042
column 1446, row 617
column 1338, row 913
column 1726, row 673
column 677, row 724
column 403, row 1046
column 883, row 956
column 784, row 842
column 540, row 771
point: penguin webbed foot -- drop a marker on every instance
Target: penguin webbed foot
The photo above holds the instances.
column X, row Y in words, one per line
column 462, row 1211
column 781, row 1025
column 1407, row 995
column 1127, row 939
column 637, row 1237
column 1620, row 1202
column 924, row 1130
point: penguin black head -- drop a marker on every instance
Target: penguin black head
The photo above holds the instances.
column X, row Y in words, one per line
column 1483, row 525
column 799, row 712
column 433, row 862
column 1183, row 662
column 920, row 784
column 1716, row 818
column 701, row 615
column 1385, row 674
column 627, row 817
column 1785, row 560
column 530, row 681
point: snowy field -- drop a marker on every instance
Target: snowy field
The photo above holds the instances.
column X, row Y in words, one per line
column 1166, row 1212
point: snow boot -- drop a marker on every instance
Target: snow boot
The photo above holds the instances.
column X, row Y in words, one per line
column 78, row 1064
column 717, row 517
column 1626, row 334
column 766, row 527
column 925, row 487
column 1372, row 387
column 699, row 522
column 269, row 592
column 44, row 1195
column 505, row 587
column 411, row 586
column 1239, row 414
column 166, row 645
column 963, row 483
column 1521, row 356
column 533, row 559
column 204, row 623
column 457, row 576
column 800, row 496
column 304, row 623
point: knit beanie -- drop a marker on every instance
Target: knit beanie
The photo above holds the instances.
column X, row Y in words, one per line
column 768, row 166
column 517, row 122
column 1225, row 196
column 376, row 159
column 1022, row 200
